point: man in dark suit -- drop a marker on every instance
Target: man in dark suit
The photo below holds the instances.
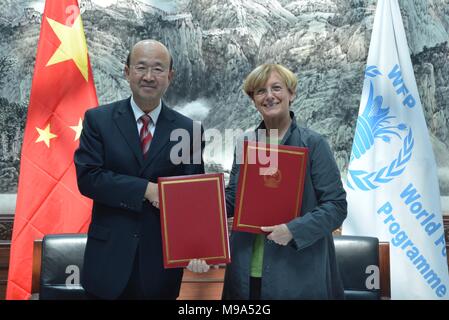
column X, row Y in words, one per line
column 124, row 147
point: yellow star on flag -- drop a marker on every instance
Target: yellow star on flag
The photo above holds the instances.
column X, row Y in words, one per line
column 73, row 45
column 45, row 135
column 78, row 128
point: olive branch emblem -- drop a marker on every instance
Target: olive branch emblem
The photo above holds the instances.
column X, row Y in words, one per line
column 376, row 123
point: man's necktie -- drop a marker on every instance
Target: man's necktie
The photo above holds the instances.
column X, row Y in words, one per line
column 145, row 134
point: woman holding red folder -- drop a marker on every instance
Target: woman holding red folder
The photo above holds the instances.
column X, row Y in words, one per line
column 295, row 260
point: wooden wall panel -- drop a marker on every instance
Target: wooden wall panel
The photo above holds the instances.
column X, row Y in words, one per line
column 202, row 286
column 4, row 263
column 194, row 286
column 384, row 268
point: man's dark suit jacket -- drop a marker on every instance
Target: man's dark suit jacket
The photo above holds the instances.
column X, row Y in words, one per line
column 112, row 171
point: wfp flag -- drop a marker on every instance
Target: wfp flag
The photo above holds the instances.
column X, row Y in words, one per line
column 48, row 200
column 392, row 183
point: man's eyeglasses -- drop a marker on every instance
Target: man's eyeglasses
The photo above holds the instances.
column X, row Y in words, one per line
column 262, row 92
column 143, row 70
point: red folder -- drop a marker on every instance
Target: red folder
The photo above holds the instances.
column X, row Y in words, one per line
column 267, row 194
column 193, row 219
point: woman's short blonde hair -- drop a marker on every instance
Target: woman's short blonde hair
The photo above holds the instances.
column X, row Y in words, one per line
column 259, row 76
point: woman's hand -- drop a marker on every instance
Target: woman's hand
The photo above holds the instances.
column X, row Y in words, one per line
column 280, row 234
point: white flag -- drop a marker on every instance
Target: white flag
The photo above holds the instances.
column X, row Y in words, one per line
column 392, row 182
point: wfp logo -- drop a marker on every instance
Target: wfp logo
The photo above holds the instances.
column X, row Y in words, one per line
column 376, row 123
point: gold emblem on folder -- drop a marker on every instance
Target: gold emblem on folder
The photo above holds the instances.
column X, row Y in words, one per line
column 272, row 177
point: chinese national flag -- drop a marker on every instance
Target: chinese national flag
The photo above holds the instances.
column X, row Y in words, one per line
column 48, row 200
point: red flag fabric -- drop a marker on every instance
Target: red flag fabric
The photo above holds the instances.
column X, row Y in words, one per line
column 48, row 200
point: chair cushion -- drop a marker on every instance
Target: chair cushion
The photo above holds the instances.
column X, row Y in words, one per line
column 354, row 255
column 61, row 266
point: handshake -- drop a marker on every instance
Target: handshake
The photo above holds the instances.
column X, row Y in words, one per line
column 198, row 266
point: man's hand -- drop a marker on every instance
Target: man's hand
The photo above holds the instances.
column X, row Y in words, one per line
column 152, row 194
column 198, row 266
column 280, row 234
